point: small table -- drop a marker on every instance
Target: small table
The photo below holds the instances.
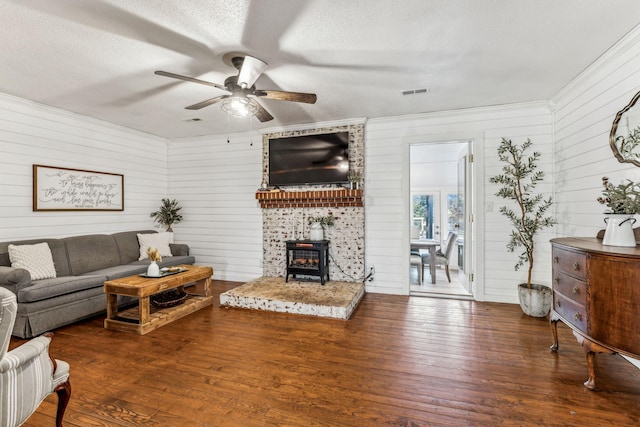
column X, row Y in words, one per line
column 417, row 244
column 142, row 319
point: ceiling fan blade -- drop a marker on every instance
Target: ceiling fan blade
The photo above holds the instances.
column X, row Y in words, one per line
column 206, row 103
column 188, row 79
column 309, row 98
column 250, row 71
column 262, row 114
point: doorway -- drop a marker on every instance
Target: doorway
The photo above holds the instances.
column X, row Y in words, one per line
column 440, row 219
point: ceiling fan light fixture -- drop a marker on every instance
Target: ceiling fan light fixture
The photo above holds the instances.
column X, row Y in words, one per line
column 239, row 106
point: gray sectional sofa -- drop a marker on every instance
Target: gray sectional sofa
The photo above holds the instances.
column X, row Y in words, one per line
column 82, row 264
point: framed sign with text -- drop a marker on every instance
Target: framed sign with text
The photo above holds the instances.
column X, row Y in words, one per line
column 64, row 189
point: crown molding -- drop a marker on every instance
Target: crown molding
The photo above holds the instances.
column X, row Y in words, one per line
column 629, row 41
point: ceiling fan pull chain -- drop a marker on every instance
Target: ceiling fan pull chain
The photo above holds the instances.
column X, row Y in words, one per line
column 228, row 125
column 250, row 131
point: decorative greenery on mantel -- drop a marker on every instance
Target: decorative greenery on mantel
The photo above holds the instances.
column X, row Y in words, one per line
column 324, row 221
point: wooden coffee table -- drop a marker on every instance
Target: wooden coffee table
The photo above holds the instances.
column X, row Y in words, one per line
column 144, row 318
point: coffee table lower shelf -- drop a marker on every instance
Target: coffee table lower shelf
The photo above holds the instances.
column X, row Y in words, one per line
column 127, row 320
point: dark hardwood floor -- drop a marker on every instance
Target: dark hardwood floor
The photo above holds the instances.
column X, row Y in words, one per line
column 402, row 361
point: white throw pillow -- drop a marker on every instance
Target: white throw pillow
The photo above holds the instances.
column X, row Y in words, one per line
column 36, row 259
column 160, row 241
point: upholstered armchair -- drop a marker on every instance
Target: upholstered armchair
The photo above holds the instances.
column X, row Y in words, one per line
column 27, row 373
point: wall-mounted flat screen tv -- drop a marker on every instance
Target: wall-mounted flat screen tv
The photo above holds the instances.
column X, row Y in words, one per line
column 309, row 159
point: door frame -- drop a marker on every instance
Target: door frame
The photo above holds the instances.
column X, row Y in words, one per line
column 476, row 141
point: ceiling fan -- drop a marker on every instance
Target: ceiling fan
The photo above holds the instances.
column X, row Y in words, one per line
column 242, row 97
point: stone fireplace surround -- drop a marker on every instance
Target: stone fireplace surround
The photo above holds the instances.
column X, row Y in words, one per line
column 284, row 215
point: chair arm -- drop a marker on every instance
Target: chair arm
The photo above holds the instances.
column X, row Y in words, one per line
column 36, row 348
column 179, row 249
column 14, row 279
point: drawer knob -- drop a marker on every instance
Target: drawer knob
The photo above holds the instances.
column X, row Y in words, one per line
column 557, row 303
column 556, row 259
column 557, row 280
column 576, row 266
column 576, row 290
column 577, row 317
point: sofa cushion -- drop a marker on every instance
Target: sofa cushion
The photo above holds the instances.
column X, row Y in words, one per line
column 179, row 249
column 128, row 245
column 58, row 252
column 36, row 259
column 91, row 252
column 50, row 288
column 160, row 241
column 168, row 261
column 119, row 271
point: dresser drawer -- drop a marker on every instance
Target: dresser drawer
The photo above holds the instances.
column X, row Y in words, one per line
column 569, row 262
column 570, row 287
column 571, row 311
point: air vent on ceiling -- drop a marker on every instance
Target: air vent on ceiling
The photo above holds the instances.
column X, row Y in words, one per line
column 415, row 91
column 193, row 119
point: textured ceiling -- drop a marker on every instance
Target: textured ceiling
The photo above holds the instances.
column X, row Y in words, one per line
column 97, row 58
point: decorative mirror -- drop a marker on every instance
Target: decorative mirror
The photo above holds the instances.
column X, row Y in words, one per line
column 624, row 138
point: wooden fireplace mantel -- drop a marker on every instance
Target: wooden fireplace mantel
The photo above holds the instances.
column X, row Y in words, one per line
column 310, row 199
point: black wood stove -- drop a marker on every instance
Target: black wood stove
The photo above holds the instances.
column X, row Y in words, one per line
column 309, row 258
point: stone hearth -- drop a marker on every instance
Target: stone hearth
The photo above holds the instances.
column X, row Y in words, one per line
column 335, row 299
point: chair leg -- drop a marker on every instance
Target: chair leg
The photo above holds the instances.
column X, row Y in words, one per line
column 446, row 269
column 64, row 394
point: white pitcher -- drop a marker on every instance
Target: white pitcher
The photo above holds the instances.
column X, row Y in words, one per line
column 619, row 231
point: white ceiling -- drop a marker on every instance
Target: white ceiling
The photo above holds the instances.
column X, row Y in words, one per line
column 97, row 58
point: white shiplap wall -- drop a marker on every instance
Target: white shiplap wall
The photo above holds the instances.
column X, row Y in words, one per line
column 584, row 113
column 387, row 202
column 216, row 183
column 33, row 133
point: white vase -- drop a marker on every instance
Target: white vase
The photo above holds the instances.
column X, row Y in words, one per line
column 619, row 231
column 316, row 231
column 153, row 269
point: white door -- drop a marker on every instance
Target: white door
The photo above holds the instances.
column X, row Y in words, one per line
column 465, row 219
column 441, row 179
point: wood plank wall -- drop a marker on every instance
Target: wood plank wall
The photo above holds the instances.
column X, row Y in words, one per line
column 216, row 182
column 584, row 113
column 387, row 195
column 33, row 133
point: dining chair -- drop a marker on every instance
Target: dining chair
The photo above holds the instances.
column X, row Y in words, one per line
column 27, row 373
column 442, row 258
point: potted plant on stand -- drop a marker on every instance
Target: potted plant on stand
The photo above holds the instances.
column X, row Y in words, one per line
column 623, row 202
column 318, row 224
column 518, row 179
column 168, row 214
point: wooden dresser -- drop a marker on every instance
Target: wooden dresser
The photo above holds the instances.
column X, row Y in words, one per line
column 596, row 292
